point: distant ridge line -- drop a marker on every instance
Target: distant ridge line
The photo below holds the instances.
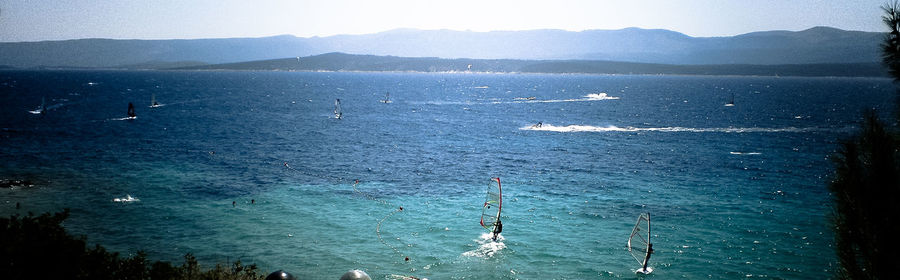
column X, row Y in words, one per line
column 815, row 45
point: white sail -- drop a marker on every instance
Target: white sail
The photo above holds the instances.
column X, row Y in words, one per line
column 639, row 244
column 337, row 108
column 493, row 203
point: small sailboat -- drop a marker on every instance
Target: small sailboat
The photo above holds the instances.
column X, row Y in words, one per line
column 337, row 109
column 730, row 102
column 131, row 114
column 153, row 103
column 40, row 109
column 387, row 98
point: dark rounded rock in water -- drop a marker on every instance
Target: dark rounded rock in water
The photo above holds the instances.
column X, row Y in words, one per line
column 355, row 275
column 280, row 275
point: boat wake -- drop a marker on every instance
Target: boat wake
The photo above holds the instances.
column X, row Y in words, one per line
column 527, row 100
column 590, row 97
column 487, row 247
column 612, row 128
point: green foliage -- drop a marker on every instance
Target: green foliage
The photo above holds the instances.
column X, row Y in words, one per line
column 39, row 248
column 866, row 186
column 890, row 48
column 867, row 205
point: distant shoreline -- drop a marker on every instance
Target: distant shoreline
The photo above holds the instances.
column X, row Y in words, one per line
column 443, row 72
column 340, row 62
column 502, row 73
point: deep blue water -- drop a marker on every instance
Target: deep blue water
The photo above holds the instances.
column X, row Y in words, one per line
column 734, row 192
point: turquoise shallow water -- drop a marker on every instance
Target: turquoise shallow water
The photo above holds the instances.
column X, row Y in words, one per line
column 735, row 192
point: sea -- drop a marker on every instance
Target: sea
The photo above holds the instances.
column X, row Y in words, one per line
column 256, row 167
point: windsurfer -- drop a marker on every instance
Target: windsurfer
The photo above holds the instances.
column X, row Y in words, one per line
column 498, row 227
column 131, row 110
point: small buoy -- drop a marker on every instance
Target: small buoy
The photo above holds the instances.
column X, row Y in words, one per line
column 407, row 258
column 355, row 274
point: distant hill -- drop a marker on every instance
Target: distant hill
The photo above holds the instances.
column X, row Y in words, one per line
column 815, row 45
column 348, row 62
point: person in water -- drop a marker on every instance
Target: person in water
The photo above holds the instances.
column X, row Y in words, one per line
column 131, row 110
column 498, row 227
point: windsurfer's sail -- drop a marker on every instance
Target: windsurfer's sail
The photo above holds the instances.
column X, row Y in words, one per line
column 337, row 108
column 41, row 109
column 639, row 242
column 153, row 103
column 131, row 114
column 493, row 203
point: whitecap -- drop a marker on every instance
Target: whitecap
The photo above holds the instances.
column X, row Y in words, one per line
column 126, row 199
column 644, row 271
column 487, row 247
column 600, row 96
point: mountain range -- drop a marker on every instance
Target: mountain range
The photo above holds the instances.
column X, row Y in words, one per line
column 818, row 45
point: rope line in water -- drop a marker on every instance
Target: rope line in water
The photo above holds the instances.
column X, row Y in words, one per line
column 380, row 238
column 378, row 227
column 369, row 196
column 326, row 177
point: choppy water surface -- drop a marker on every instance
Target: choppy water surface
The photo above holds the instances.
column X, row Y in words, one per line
column 734, row 191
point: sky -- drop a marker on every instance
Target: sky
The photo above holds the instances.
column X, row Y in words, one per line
column 41, row 20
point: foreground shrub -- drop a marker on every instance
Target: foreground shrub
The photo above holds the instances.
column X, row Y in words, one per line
column 38, row 247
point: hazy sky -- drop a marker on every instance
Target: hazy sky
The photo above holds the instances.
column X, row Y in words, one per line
column 36, row 20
